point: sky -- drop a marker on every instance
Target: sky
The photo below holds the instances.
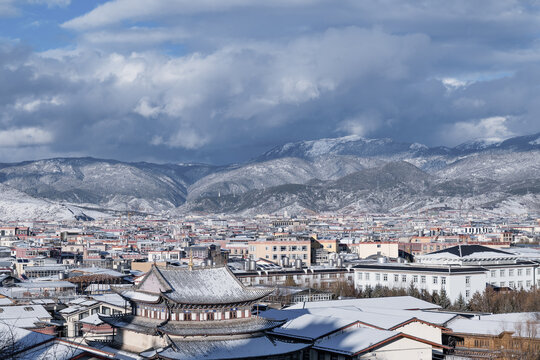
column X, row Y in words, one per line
column 221, row 81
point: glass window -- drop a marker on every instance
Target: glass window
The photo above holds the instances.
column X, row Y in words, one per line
column 511, row 272
column 520, row 272
column 493, row 273
column 501, row 272
column 385, row 277
column 415, row 278
column 404, row 278
column 435, row 279
column 367, row 276
column 378, row 277
column 423, row 279
column 443, row 280
column 396, row 277
column 528, row 272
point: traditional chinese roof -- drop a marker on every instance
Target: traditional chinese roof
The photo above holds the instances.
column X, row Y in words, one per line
column 204, row 286
column 191, row 328
column 247, row 348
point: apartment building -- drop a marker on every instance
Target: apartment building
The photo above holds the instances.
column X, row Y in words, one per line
column 277, row 248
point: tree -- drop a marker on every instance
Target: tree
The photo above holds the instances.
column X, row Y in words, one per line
column 444, row 301
column 460, row 304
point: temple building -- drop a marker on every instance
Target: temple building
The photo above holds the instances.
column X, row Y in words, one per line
column 196, row 313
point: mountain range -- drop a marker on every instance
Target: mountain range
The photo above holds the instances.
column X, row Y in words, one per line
column 344, row 175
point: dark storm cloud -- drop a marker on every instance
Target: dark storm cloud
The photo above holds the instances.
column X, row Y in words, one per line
column 223, row 81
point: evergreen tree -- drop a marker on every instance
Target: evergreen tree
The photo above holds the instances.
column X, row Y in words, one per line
column 460, row 303
column 444, row 301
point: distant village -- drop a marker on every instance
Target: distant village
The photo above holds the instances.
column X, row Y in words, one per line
column 441, row 285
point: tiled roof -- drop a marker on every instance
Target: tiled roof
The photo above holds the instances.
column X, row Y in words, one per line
column 203, row 286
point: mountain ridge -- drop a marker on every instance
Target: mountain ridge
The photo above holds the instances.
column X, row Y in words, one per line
column 323, row 175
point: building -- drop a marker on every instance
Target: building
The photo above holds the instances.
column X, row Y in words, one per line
column 455, row 281
column 503, row 268
column 500, row 336
column 274, row 250
column 203, row 312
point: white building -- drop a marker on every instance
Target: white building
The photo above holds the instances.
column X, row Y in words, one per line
column 455, row 281
column 504, row 268
column 459, row 270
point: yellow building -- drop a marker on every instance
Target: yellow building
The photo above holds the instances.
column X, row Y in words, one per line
column 275, row 249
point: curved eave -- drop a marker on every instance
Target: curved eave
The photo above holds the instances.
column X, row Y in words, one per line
column 122, row 291
column 242, row 329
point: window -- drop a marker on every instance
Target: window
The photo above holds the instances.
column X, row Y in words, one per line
column 274, row 248
column 528, row 283
column 367, row 276
column 377, row 277
column 467, row 281
column 282, row 248
column 520, row 272
column 443, row 280
column 274, row 257
column 435, row 280
column 503, row 284
column 385, row 277
column 501, row 272
column 404, row 278
column 467, row 293
column 512, row 284
column 415, row 278
column 304, row 248
column 493, row 273
column 528, row 272
column 511, row 272
column 396, row 277
column 359, row 276
column 423, row 279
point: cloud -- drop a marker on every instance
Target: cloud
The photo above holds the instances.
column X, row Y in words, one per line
column 12, row 7
column 116, row 11
column 490, row 129
column 222, row 81
column 29, row 136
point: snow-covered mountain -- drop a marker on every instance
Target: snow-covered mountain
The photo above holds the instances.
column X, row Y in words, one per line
column 342, row 174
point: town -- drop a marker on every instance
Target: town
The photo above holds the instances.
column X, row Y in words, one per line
column 433, row 285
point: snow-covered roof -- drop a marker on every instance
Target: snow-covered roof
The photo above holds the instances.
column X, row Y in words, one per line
column 140, row 296
column 520, row 324
column 113, row 299
column 354, row 341
column 24, row 312
column 60, row 349
column 92, row 320
column 22, row 338
column 311, row 327
column 199, row 286
column 227, row 349
column 393, row 302
column 374, row 319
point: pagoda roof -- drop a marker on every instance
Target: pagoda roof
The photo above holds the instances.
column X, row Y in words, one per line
column 247, row 348
column 203, row 286
column 191, row 328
